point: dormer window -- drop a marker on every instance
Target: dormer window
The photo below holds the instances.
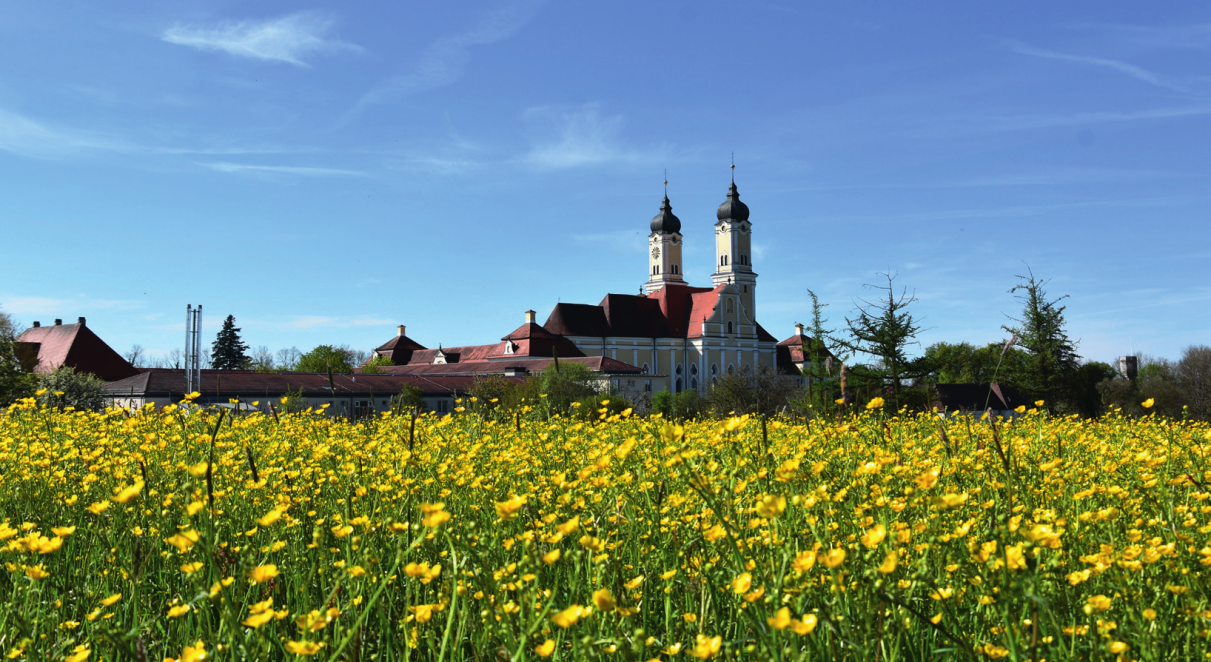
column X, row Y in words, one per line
column 510, row 347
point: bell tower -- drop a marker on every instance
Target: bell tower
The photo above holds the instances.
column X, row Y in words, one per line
column 733, row 250
column 664, row 249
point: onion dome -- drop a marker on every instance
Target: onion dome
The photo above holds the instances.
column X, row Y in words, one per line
column 732, row 208
column 665, row 222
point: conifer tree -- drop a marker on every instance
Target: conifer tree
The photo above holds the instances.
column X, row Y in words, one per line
column 228, row 352
column 884, row 330
column 1051, row 360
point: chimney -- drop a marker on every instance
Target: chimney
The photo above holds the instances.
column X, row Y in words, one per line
column 400, row 328
column 531, row 316
column 81, row 321
column 58, row 322
column 37, row 324
column 798, row 329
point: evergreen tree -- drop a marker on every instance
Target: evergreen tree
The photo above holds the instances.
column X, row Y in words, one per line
column 228, row 352
column 823, row 354
column 884, row 330
column 1051, row 360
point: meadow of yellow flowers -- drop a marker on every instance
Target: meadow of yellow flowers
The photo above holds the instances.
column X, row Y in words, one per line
column 184, row 535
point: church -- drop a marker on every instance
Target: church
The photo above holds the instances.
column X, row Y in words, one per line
column 685, row 335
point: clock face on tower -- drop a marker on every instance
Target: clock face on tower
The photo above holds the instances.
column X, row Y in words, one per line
column 655, row 252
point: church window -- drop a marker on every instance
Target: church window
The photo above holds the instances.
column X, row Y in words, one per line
column 729, row 327
column 677, row 387
column 647, row 386
column 693, row 383
column 730, row 309
column 731, row 369
column 693, row 370
column 644, row 369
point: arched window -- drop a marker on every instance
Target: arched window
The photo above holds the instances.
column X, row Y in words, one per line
column 678, row 369
column 693, row 383
column 644, row 369
column 677, row 387
column 730, row 309
column 731, row 369
column 729, row 327
column 693, row 370
column 714, row 370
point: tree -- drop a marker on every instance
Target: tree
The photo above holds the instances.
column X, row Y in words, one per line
column 134, row 356
column 823, row 354
column 1084, row 395
column 67, row 388
column 374, row 366
column 288, row 359
column 1156, row 380
column 761, row 391
column 884, row 330
column 1051, row 360
column 564, row 382
column 16, row 379
column 964, row 363
column 1194, row 376
column 261, row 359
column 325, row 358
column 410, row 398
column 228, row 352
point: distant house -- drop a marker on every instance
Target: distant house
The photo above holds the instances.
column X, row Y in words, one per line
column 355, row 395
column 73, row 345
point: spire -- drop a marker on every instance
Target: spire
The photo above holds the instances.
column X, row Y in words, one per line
column 665, row 222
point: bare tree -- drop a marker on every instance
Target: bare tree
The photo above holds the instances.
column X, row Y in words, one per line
column 135, row 356
column 173, row 360
column 261, row 358
column 204, row 359
column 1194, row 376
column 287, row 359
column 356, row 357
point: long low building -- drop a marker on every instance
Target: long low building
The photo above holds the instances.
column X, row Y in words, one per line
column 358, row 395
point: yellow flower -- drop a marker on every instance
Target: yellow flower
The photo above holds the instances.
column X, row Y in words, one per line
column 36, row 572
column 98, row 507
column 304, row 648
column 771, row 506
column 1150, row 614
column 874, row 536
column 889, row 564
column 604, row 599
column 63, row 531
column 111, row 599
column 780, row 620
column 434, row 520
column 672, row 649
column 190, row 568
column 1096, row 603
column 690, row 617
column 741, row 583
column 263, row 573
column 507, row 510
column 706, row 646
column 356, row 571
column 1147, row 404
column 804, row 561
column 128, row 493
column 179, row 610
column 834, row 557
column 568, row 617
column 270, row 517
column 1038, row 403
column 80, row 653
column 194, row 653
column 197, row 470
column 941, row 593
column 875, row 403
column 634, row 583
column 551, row 557
column 341, row 531
column 1119, row 647
column 805, row 626
column 545, row 648
column 257, row 620
column 183, row 541
column 569, row 527
column 669, row 574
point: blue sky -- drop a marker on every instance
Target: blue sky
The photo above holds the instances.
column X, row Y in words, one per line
column 325, row 172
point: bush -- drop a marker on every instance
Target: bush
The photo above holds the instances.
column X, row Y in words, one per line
column 683, row 406
column 762, row 391
column 67, row 388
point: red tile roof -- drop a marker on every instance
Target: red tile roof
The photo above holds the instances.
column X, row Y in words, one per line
column 532, row 364
column 75, row 345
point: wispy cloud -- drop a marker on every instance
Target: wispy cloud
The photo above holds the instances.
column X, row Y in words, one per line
column 370, row 321
column 583, row 138
column 443, row 62
column 311, row 322
column 26, row 137
column 288, row 39
column 1164, row 36
column 1039, row 121
column 1138, row 73
column 245, row 169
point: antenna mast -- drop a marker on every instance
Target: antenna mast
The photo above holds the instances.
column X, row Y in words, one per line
column 193, row 348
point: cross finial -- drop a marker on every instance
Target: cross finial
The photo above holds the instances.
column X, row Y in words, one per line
column 666, row 182
column 733, row 167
